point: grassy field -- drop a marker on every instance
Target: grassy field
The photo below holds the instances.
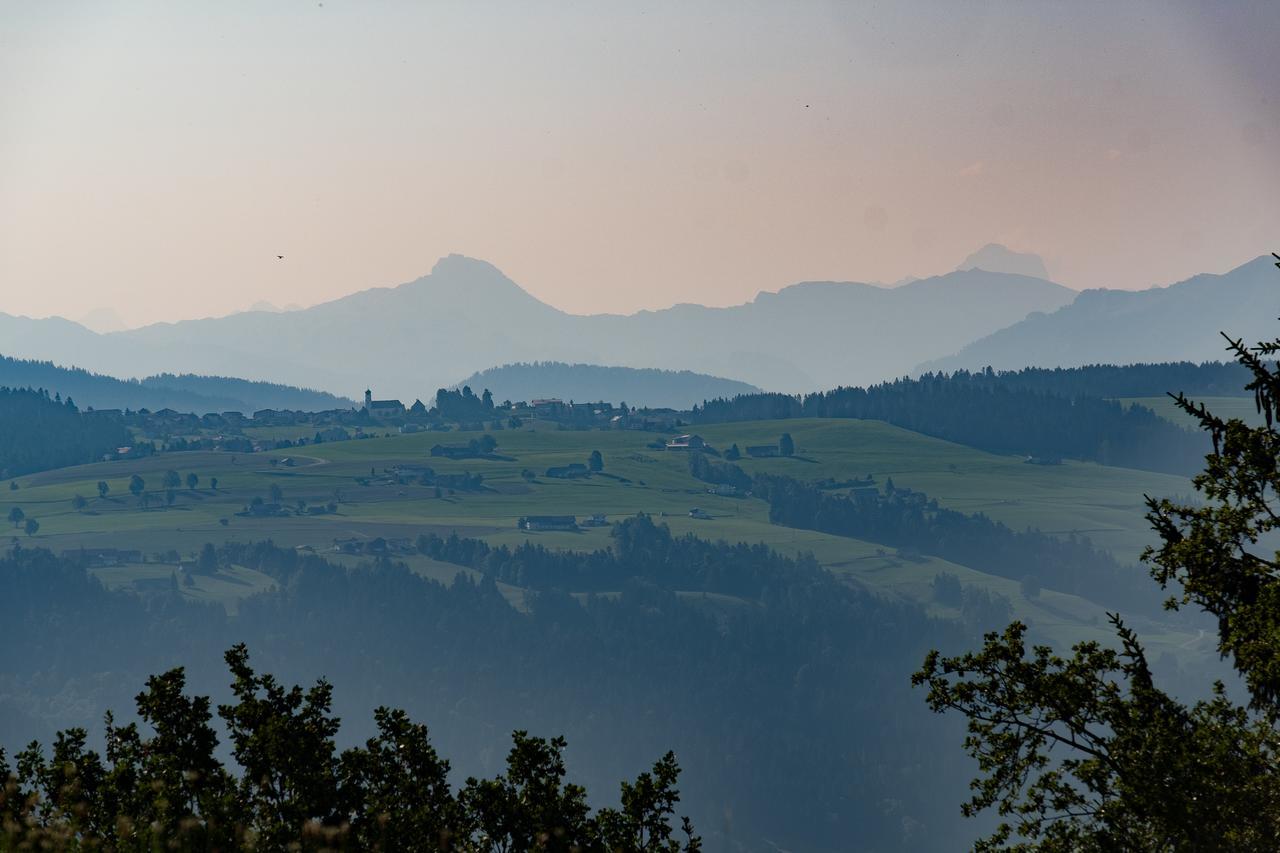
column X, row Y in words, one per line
column 1103, row 503
column 1224, row 407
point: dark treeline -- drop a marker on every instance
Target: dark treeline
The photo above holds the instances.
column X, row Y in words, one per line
column 162, row 785
column 641, row 549
column 1207, row 379
column 783, row 698
column 184, row 393
column 985, row 411
column 910, row 520
column 38, row 432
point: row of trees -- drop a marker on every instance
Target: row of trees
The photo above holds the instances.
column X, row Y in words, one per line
column 163, row 785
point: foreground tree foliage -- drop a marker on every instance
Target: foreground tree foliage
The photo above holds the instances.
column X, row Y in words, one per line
column 169, row 790
column 1086, row 752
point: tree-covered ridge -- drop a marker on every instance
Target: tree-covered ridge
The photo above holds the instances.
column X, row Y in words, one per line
column 162, row 785
column 645, row 387
column 1207, row 379
column 249, row 394
column 1086, row 752
column 985, row 411
column 40, row 431
column 781, row 695
column 184, row 393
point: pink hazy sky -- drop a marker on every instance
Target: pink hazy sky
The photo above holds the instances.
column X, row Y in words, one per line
column 156, row 157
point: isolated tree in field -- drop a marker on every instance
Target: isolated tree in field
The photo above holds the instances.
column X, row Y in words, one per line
column 207, row 562
column 16, row 515
column 733, row 454
column 213, row 483
column 1086, row 752
column 103, row 488
column 277, row 493
column 786, row 446
column 192, row 481
column 137, row 485
column 595, row 461
column 172, row 480
column 78, row 503
column 31, row 527
column 13, row 485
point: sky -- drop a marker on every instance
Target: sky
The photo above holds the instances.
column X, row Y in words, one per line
column 155, row 158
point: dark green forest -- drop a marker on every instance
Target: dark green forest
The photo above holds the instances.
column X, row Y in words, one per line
column 184, row 393
column 39, row 431
column 1050, row 415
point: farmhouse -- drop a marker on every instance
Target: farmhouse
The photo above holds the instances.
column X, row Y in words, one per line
column 700, row 514
column 382, row 410
column 686, row 442
column 548, row 522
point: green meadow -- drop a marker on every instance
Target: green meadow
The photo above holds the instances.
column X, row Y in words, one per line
column 1224, row 407
column 1100, row 502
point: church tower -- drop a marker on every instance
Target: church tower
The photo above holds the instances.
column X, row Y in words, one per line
column 368, row 400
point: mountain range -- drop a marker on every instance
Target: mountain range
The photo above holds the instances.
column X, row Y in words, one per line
column 1180, row 322
column 466, row 316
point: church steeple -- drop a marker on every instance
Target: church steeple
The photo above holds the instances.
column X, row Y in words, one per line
column 368, row 399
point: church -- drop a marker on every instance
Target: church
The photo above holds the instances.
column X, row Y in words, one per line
column 382, row 410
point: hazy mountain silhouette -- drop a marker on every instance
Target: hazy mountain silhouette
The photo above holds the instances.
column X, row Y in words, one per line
column 466, row 315
column 994, row 257
column 588, row 382
column 1174, row 323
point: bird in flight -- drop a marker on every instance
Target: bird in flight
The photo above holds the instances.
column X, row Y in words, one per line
column 279, row 257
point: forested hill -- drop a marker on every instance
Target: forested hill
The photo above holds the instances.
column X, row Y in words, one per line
column 781, row 689
column 39, row 432
column 249, row 394
column 645, row 387
column 986, row 411
column 185, row 393
column 1207, row 379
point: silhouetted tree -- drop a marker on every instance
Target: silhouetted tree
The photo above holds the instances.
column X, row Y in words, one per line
column 1086, row 752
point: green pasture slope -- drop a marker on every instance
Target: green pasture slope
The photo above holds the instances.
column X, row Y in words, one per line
column 1103, row 503
column 1224, row 407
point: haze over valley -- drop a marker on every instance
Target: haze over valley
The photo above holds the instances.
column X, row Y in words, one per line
column 538, row 428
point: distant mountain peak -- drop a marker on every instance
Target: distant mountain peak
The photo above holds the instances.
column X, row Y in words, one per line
column 995, row 257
